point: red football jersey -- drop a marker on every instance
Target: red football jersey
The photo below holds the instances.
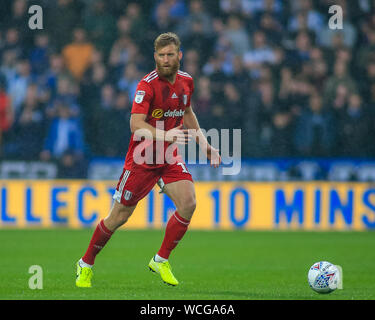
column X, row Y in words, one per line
column 164, row 104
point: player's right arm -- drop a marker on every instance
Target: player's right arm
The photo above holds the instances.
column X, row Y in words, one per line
column 139, row 126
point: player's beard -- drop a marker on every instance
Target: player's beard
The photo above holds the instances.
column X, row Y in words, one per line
column 170, row 72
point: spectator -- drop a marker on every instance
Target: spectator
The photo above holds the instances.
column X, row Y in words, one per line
column 234, row 102
column 62, row 17
column 255, row 125
column 6, row 113
column 238, row 75
column 237, row 36
column 314, row 136
column 303, row 47
column 8, row 65
column 119, row 54
column 231, row 6
column 90, row 96
column 39, row 56
column 54, row 73
column 313, row 18
column 17, row 85
column 29, row 128
column 203, row 100
column 114, row 138
column 265, row 106
column 66, row 93
column 129, row 80
column 91, row 86
column 100, row 26
column 340, row 76
column 18, row 19
column 124, row 27
column 282, row 134
column 295, row 95
column 271, row 28
column 340, row 101
column 354, row 128
column 64, row 134
column 198, row 38
column 176, row 9
column 108, row 96
column 92, row 118
column 162, row 21
column 78, row 54
column 71, row 166
column 366, row 52
column 13, row 42
column 366, row 80
column 138, row 28
column 197, row 12
column 260, row 53
column 318, row 72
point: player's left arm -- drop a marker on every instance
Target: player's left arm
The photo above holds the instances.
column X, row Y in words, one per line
column 191, row 122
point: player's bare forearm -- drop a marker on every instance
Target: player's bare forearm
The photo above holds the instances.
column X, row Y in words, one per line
column 140, row 127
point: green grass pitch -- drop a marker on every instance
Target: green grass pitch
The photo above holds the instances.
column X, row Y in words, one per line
column 213, row 265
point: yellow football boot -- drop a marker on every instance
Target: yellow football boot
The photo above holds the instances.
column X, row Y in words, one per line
column 83, row 276
column 165, row 271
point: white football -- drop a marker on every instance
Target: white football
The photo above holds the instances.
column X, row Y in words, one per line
column 323, row 277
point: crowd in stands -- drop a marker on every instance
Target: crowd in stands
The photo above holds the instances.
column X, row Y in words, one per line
column 272, row 68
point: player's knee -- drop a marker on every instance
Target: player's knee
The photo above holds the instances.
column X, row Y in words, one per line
column 119, row 216
column 188, row 206
column 123, row 216
column 122, row 219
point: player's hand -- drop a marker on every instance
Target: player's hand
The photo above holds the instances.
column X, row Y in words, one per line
column 214, row 156
column 178, row 135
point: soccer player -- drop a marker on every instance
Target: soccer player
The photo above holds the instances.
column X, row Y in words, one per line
column 161, row 108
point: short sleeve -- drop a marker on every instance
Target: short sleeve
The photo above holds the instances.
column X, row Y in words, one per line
column 191, row 87
column 143, row 97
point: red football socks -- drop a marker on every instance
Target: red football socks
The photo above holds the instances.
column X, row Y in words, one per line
column 175, row 230
column 99, row 239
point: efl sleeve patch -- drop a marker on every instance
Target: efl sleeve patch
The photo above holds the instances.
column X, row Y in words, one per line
column 139, row 95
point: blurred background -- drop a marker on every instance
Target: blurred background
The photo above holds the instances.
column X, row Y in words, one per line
column 303, row 94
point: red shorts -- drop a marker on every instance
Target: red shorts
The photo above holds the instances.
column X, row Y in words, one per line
column 136, row 183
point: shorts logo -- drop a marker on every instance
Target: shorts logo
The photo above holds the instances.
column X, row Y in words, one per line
column 139, row 95
column 127, row 195
column 157, row 113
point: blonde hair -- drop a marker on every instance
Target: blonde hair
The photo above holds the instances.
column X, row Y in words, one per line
column 166, row 39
